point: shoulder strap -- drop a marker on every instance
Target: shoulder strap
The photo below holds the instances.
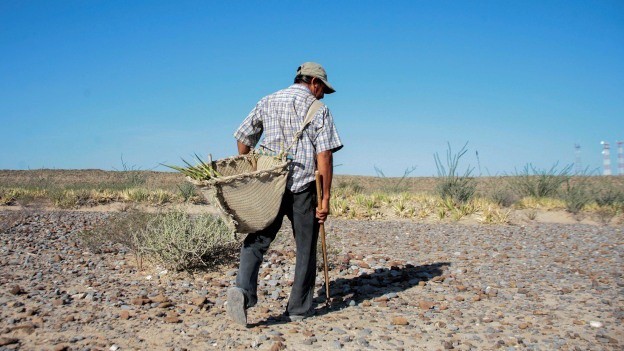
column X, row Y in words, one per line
column 316, row 105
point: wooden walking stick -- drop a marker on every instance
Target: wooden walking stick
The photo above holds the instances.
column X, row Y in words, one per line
column 319, row 184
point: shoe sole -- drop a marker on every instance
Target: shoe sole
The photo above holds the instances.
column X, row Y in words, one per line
column 296, row 318
column 236, row 306
column 300, row 317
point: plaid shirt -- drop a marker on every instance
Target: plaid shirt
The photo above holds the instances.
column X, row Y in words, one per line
column 280, row 116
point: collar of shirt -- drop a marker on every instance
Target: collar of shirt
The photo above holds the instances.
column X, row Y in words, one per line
column 301, row 87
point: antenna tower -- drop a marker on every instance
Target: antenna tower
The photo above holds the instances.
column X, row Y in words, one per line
column 620, row 158
column 606, row 159
column 577, row 159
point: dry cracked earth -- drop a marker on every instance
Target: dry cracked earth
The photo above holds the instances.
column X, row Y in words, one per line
column 395, row 285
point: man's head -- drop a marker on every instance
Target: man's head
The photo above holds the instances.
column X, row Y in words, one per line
column 314, row 76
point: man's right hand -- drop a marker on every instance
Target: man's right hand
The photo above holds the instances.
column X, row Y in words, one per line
column 321, row 215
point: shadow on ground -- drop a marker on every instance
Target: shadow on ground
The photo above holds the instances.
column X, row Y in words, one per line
column 366, row 287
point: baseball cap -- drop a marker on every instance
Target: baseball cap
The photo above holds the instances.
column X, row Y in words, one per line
column 313, row 69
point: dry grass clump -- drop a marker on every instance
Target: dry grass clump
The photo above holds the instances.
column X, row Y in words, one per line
column 174, row 239
column 9, row 196
column 153, row 197
column 494, row 215
column 540, row 203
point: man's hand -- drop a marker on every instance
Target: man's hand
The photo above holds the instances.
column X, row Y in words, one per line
column 321, row 215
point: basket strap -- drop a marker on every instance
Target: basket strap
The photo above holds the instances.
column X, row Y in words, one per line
column 316, row 105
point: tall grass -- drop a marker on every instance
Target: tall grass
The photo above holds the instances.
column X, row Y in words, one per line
column 452, row 186
column 395, row 185
column 534, row 182
column 133, row 175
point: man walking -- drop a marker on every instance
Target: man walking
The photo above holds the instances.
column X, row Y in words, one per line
column 280, row 116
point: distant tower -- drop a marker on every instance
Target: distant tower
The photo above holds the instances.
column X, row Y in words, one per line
column 606, row 159
column 577, row 159
column 620, row 158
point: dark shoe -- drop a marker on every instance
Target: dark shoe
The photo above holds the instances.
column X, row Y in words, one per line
column 299, row 317
column 236, row 306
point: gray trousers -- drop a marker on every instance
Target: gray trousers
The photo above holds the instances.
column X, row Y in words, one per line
column 301, row 211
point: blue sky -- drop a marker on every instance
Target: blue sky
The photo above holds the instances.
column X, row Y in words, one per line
column 83, row 83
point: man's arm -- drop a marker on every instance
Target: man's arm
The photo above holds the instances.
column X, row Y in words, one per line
column 243, row 149
column 325, row 164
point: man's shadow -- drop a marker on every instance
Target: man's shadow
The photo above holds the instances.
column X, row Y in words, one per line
column 366, row 287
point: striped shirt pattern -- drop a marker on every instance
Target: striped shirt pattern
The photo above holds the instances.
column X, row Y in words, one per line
column 279, row 117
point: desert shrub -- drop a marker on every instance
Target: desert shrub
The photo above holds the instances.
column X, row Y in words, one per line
column 605, row 214
column 136, row 195
column 187, row 191
column 609, row 196
column 119, row 228
column 541, row 203
column 69, row 198
column 493, row 215
column 103, row 196
column 502, row 196
column 534, row 182
column 174, row 239
column 132, row 175
column 8, row 196
column 160, row 197
column 576, row 195
column 452, row 186
column 349, row 188
column 180, row 242
column 339, row 207
column 395, row 185
column 610, row 202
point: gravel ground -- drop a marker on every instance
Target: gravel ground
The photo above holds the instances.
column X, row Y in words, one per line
column 396, row 285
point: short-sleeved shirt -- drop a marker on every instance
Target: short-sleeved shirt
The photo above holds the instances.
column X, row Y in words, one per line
column 279, row 117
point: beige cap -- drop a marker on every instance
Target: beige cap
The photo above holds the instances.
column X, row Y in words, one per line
column 313, row 69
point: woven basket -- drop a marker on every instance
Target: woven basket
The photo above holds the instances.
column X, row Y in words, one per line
column 248, row 199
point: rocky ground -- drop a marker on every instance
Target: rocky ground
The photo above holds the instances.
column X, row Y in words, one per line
column 396, row 285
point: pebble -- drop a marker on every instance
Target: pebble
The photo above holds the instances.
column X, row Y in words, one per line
column 399, row 320
column 338, row 331
column 16, row 290
column 4, row 341
column 278, row 346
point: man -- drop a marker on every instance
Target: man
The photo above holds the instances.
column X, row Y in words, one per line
column 280, row 116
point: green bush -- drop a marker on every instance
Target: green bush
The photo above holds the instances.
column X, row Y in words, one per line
column 176, row 240
column 451, row 186
column 502, row 196
column 396, row 185
column 180, row 241
column 187, row 191
column 609, row 196
column 576, row 196
column 539, row 183
column 349, row 187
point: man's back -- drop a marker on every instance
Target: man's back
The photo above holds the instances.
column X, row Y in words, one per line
column 279, row 117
